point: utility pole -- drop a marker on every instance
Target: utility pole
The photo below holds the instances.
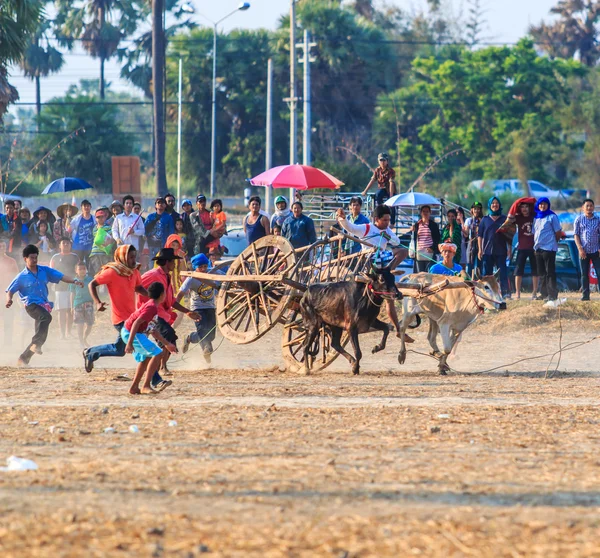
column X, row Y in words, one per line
column 269, row 132
column 293, row 100
column 158, row 55
column 306, row 60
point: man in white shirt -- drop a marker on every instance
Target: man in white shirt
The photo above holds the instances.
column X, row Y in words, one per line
column 380, row 235
column 128, row 227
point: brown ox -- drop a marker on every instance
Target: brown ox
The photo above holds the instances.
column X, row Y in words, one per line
column 450, row 311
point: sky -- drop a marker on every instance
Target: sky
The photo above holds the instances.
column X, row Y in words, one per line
column 508, row 20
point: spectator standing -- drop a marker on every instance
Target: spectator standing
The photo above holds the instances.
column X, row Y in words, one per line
column 128, row 227
column 104, row 244
column 256, row 224
column 426, row 238
column 82, row 231
column 546, row 232
column 41, row 214
column 45, row 242
column 65, row 262
column 11, row 223
column 8, row 271
column 452, row 232
column 282, row 212
column 219, row 224
column 493, row 246
column 32, row 286
column 186, row 211
column 116, row 208
column 356, row 218
column 201, row 224
column 123, row 280
column 83, row 305
column 170, row 208
column 461, row 219
column 25, row 216
column 159, row 226
column 523, row 217
column 471, row 231
column 62, row 226
column 587, row 238
column 298, row 228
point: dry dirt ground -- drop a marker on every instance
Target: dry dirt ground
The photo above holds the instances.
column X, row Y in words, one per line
column 262, row 462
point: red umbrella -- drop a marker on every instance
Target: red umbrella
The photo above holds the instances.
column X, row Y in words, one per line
column 300, row 177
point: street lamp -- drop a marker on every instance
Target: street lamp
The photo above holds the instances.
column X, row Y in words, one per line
column 213, row 143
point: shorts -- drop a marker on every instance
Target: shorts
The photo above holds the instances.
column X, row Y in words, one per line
column 95, row 263
column 165, row 329
column 84, row 313
column 143, row 347
column 522, row 256
column 63, row 300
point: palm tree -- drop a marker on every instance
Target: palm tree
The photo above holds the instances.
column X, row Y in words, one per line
column 573, row 33
column 18, row 20
column 91, row 22
column 40, row 60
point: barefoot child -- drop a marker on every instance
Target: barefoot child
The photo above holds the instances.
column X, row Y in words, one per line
column 83, row 305
column 146, row 353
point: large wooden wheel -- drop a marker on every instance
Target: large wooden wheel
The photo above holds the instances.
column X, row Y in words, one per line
column 292, row 344
column 249, row 308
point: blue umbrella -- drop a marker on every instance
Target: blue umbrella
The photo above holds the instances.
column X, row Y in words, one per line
column 66, row 184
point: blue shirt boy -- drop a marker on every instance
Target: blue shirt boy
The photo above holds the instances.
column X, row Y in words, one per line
column 33, row 287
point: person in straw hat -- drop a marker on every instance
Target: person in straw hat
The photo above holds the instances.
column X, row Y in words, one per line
column 65, row 213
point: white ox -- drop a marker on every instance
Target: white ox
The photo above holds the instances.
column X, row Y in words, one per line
column 450, row 311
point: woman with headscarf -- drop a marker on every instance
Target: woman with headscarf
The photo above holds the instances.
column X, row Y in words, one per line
column 282, row 211
column 452, row 232
column 546, row 234
column 174, row 241
column 493, row 246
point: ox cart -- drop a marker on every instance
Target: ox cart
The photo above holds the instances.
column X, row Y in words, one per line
column 264, row 284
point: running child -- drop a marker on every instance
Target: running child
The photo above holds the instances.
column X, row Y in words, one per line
column 83, row 305
column 134, row 333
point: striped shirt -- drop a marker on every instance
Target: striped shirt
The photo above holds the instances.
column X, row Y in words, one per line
column 588, row 231
column 424, row 239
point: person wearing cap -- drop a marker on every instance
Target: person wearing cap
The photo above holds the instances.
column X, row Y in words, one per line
column 159, row 226
column 62, row 225
column 385, row 176
column 128, row 228
column 104, row 243
column 202, row 298
column 82, row 231
column 201, row 224
column 282, row 211
column 447, row 266
column 493, row 246
column 165, row 261
column 471, row 230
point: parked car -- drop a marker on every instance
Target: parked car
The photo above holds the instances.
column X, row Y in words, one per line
column 515, row 187
column 568, row 274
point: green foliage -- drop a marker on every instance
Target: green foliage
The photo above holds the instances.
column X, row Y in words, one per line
column 88, row 154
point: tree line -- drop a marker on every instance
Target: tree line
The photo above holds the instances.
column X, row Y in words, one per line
column 417, row 85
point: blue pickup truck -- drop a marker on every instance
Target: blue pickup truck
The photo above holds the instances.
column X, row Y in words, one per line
column 568, row 274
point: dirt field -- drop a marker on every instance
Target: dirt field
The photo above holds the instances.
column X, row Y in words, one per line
column 395, row 462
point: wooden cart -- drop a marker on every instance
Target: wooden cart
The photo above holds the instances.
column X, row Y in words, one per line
column 264, row 284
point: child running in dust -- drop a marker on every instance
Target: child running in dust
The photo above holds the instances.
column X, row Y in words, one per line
column 145, row 351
